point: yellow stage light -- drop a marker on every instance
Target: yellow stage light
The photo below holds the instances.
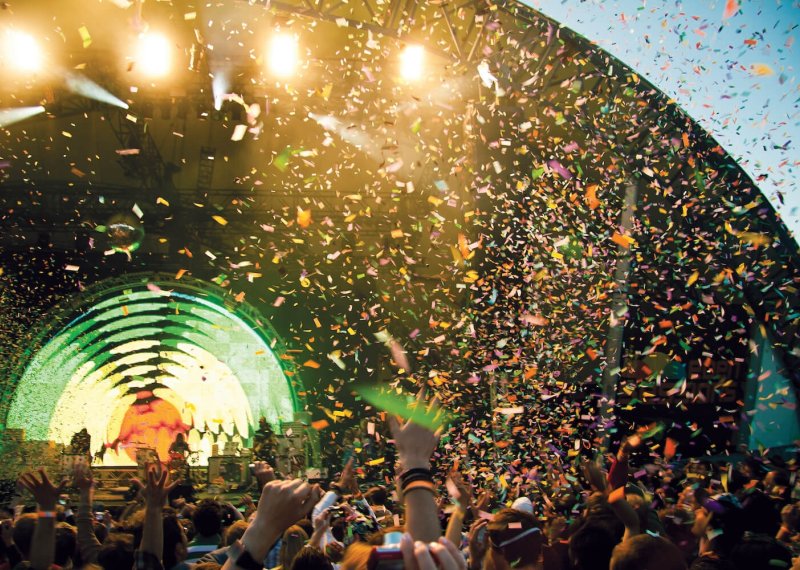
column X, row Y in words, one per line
column 153, row 55
column 22, row 52
column 412, row 62
column 284, row 55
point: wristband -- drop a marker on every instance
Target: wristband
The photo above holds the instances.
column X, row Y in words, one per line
column 242, row 558
column 427, row 485
column 46, row 514
column 414, row 472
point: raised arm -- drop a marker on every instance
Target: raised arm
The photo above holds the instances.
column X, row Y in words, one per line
column 44, row 537
column 282, row 504
column 415, row 446
column 87, row 541
column 155, row 495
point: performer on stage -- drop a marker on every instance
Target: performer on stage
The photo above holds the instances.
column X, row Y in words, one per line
column 81, row 443
column 178, row 454
column 179, row 446
column 264, row 443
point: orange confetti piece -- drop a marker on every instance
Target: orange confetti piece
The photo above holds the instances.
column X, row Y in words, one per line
column 591, row 196
column 311, row 364
column 303, row 217
column 731, row 7
column 591, row 353
column 180, row 273
column 622, row 240
column 320, row 424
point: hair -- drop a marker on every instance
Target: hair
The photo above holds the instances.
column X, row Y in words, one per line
column 116, row 551
column 377, row 496
column 23, row 533
column 173, row 537
column 591, row 546
column 711, row 563
column 644, row 551
column 207, row 566
column 356, row 556
column 207, row 518
column 292, row 542
column 526, row 550
column 760, row 514
column 66, row 544
column 760, row 551
column 234, row 532
column 311, row 558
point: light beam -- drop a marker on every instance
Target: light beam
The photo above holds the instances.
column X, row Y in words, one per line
column 15, row 115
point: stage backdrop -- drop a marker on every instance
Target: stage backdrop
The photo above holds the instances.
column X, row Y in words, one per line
column 135, row 361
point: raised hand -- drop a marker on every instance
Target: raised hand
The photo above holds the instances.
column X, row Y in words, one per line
column 415, row 443
column 158, row 486
column 440, row 555
column 478, row 540
column 263, row 472
column 347, row 480
column 44, row 492
column 283, row 503
column 82, row 478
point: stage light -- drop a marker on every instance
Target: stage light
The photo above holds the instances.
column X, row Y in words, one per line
column 412, row 62
column 153, row 55
column 284, row 55
column 22, row 52
column 15, row 115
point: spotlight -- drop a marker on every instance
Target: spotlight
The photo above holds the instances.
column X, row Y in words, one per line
column 412, row 62
column 153, row 55
column 284, row 55
column 22, row 52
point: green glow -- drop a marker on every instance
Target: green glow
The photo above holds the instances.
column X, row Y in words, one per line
column 185, row 347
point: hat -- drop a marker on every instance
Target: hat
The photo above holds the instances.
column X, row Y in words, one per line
column 523, row 504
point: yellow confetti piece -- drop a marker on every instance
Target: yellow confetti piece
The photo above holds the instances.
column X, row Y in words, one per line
column 220, row 220
column 87, row 39
column 692, row 278
column 761, row 69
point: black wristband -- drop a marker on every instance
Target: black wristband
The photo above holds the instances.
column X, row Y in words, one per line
column 246, row 561
column 416, row 471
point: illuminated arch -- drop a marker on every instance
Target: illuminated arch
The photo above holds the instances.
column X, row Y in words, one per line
column 142, row 358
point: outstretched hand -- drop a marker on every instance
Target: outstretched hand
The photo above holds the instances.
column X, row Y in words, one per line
column 158, row 486
column 44, row 492
column 82, row 478
column 283, row 503
column 347, row 480
column 263, row 472
column 415, row 443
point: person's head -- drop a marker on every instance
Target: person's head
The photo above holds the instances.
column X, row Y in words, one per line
column 310, row 558
column 174, row 540
column 647, row 552
column 234, row 532
column 356, row 556
column 207, row 566
column 760, row 551
column 292, row 542
column 66, row 545
column 180, row 438
column 760, row 514
column 591, row 546
column 207, row 519
column 116, row 551
column 23, row 533
column 515, row 540
column 377, row 496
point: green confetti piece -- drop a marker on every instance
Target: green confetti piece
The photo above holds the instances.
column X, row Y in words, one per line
column 404, row 405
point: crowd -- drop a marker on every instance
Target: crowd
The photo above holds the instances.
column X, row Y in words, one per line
column 612, row 514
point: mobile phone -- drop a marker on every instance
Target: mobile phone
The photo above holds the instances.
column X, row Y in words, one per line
column 99, row 516
column 385, row 558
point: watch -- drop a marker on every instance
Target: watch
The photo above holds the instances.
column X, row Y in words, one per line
column 242, row 558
